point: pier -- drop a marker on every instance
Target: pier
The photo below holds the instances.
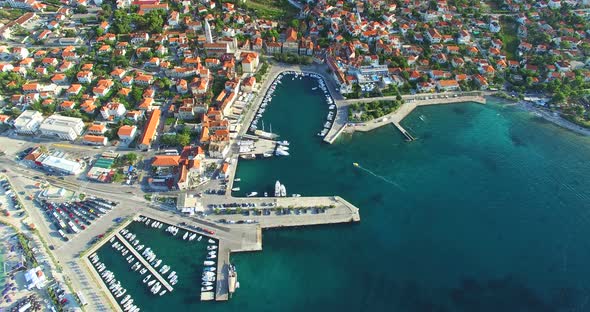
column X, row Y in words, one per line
column 259, row 147
column 401, row 129
column 222, row 282
column 139, row 257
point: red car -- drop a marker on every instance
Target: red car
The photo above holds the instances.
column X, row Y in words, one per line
column 209, row 231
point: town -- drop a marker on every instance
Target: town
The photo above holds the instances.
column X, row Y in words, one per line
column 152, row 101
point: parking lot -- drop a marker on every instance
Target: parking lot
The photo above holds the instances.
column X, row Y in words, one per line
column 71, row 218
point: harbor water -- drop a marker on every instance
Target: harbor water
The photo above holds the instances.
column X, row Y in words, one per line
column 488, row 210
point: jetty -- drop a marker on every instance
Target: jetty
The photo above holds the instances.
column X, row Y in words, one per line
column 139, row 257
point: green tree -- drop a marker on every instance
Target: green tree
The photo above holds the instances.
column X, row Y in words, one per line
column 131, row 158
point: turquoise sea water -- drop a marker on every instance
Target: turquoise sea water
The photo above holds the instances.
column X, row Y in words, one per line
column 487, row 211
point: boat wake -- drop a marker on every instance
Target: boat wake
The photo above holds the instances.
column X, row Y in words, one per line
column 384, row 179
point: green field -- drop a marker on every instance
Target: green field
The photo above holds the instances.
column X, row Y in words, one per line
column 272, row 9
column 508, row 34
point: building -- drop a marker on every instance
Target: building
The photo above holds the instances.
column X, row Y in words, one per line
column 95, row 140
column 112, row 110
column 58, row 163
column 249, row 62
column 28, row 122
column 63, row 127
column 150, row 130
column 35, row 278
column 127, row 133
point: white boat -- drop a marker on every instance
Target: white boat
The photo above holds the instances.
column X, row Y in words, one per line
column 142, row 271
column 165, row 269
column 314, row 88
column 199, row 239
column 296, row 195
column 171, row 274
column 211, row 241
column 252, row 194
column 283, row 143
column 192, row 236
column 266, row 155
column 158, row 263
column 265, row 194
column 211, row 256
column 147, row 278
column 212, row 252
column 283, row 190
column 277, row 188
column 125, row 299
column 281, row 152
column 211, row 247
column 150, row 283
column 185, row 236
column 206, row 288
column 236, row 189
column 208, row 262
column 208, row 274
column 210, row 269
column 163, row 292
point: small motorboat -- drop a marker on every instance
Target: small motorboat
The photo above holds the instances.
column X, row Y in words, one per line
column 208, row 262
column 206, row 288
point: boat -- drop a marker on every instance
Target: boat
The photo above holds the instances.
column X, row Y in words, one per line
column 236, row 189
column 208, row 274
column 211, row 241
column 206, row 288
column 147, row 278
column 281, row 152
column 283, row 190
column 211, row 247
column 208, row 262
column 277, row 188
column 296, row 195
column 150, row 283
column 237, row 180
column 266, row 155
column 199, row 239
column 265, row 194
column 212, row 252
column 252, row 194
column 165, row 269
column 314, row 88
column 142, row 271
column 157, row 263
column 192, row 236
column 211, row 256
column 355, row 164
column 206, row 283
column 210, row 269
column 171, row 274
column 283, row 143
column 125, row 299
column 163, row 292
column 185, row 236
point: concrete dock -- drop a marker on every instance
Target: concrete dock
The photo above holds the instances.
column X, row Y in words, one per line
column 150, row 268
column 222, row 288
column 260, row 147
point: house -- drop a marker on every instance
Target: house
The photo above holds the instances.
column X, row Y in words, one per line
column 84, row 76
column 59, row 79
column 127, row 133
column 103, row 87
column 67, row 105
column 96, row 129
column 94, row 140
column 249, row 84
column 290, row 43
column 447, row 85
column 144, row 80
column 4, row 119
column 112, row 110
column 249, row 62
column 74, row 89
column 433, row 35
column 149, row 131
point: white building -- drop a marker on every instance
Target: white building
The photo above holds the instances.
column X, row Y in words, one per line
column 113, row 109
column 59, row 164
column 189, row 204
column 67, row 128
column 28, row 122
column 127, row 133
column 35, row 278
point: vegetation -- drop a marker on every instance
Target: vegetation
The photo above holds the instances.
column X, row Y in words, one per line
column 508, row 36
column 24, row 242
column 261, row 71
column 271, row 9
column 181, row 138
column 372, row 110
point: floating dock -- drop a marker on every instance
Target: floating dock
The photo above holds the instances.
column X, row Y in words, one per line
column 409, row 137
column 153, row 271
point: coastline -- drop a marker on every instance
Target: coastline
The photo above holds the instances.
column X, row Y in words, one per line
column 555, row 119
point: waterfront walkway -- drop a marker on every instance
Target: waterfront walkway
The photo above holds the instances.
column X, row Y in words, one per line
column 150, row 268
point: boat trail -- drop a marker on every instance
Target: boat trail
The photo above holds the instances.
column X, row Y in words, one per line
column 384, row 179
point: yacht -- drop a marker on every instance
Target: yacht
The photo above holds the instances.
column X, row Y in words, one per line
column 142, row 271
column 199, row 239
column 206, row 288
column 165, row 269
column 281, row 152
column 185, row 236
column 171, row 274
column 163, row 292
column 236, row 189
column 147, row 278
column 157, row 263
column 211, row 256
column 277, row 188
column 192, row 236
column 206, row 283
column 252, row 194
column 296, row 195
column 211, row 247
column 211, row 241
column 210, row 269
column 266, row 155
column 283, row 191
column 212, row 252
column 283, row 143
column 208, row 262
column 150, row 283
column 125, row 299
